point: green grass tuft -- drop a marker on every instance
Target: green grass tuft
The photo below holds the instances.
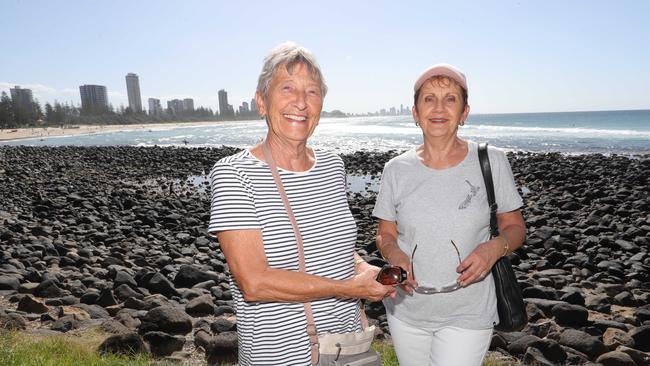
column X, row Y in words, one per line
column 24, row 349
column 387, row 352
column 21, row 349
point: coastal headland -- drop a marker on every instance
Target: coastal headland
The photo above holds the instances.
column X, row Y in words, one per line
column 116, row 236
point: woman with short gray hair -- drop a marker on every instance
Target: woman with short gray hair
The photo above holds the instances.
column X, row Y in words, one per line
column 257, row 235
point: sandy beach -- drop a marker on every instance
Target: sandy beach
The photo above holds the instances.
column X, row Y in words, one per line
column 43, row 132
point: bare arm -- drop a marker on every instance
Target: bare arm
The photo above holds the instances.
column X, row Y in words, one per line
column 248, row 265
column 390, row 250
column 512, row 233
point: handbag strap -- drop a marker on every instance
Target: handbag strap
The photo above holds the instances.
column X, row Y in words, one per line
column 484, row 161
column 311, row 325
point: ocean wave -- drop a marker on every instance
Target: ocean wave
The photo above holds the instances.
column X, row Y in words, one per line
column 560, row 130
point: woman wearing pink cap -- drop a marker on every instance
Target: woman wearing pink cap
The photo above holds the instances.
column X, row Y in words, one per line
column 434, row 220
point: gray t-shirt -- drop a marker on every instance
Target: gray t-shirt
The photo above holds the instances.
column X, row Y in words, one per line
column 431, row 207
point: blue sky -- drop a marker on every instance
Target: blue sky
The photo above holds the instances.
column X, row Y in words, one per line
column 519, row 56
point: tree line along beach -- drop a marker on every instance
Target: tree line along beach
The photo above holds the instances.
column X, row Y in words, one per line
column 116, row 236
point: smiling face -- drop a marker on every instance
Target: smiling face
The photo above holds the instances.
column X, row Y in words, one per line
column 293, row 103
column 440, row 107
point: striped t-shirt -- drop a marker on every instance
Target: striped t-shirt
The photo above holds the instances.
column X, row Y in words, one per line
column 244, row 196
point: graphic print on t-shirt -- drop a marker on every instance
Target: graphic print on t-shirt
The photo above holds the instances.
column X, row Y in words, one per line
column 473, row 190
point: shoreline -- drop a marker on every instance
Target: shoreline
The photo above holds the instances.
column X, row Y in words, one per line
column 15, row 134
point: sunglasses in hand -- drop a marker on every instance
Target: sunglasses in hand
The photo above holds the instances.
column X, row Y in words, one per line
column 391, row 275
column 395, row 275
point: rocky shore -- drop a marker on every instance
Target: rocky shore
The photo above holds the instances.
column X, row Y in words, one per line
column 116, row 236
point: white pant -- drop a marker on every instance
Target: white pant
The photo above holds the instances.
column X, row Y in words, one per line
column 444, row 346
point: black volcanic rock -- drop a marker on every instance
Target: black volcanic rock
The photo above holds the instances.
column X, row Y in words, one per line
column 78, row 222
column 163, row 344
column 9, row 283
column 30, row 305
column 616, row 358
column 582, row 342
column 169, row 319
column 159, row 284
column 200, row 306
column 568, row 314
column 122, row 344
column 641, row 336
column 189, row 276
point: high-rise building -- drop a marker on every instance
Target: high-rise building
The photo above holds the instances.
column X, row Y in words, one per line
column 94, row 99
column 175, row 106
column 188, row 105
column 243, row 110
column 23, row 105
column 224, row 108
column 155, row 109
column 253, row 106
column 22, row 98
column 133, row 90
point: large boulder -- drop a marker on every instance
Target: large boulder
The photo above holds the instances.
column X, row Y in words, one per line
column 615, row 358
column 222, row 348
column 641, row 336
column 159, row 284
column 568, row 314
column 9, row 283
column 168, row 319
column 12, row 321
column 123, row 344
column 65, row 324
column 189, row 276
column 583, row 342
column 613, row 338
column 30, row 305
column 200, row 306
column 163, row 344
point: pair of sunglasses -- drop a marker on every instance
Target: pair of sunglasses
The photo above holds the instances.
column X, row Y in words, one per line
column 394, row 275
column 391, row 275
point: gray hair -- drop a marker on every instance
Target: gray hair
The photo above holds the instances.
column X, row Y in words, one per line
column 289, row 54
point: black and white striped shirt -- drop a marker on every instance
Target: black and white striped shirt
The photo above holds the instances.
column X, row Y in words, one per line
column 244, row 196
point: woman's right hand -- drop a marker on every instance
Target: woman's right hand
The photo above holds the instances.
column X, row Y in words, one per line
column 366, row 287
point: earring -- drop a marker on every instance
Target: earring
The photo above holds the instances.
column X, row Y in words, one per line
column 462, row 123
column 417, row 123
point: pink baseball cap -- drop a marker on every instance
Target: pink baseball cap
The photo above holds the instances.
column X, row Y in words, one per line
column 442, row 70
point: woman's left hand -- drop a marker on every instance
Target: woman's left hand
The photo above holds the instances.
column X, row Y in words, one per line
column 478, row 264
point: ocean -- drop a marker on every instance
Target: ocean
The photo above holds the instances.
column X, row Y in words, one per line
column 608, row 132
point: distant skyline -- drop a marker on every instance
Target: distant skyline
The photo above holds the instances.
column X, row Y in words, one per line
column 519, row 56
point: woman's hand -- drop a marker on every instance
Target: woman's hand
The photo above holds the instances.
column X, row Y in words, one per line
column 478, row 264
column 387, row 245
column 480, row 261
column 400, row 259
column 366, row 286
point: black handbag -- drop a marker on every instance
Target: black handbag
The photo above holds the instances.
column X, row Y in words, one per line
column 510, row 302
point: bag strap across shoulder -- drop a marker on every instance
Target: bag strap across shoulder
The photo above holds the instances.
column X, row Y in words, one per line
column 484, row 161
column 311, row 325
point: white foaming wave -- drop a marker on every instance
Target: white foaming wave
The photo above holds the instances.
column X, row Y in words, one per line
column 560, row 130
column 361, row 129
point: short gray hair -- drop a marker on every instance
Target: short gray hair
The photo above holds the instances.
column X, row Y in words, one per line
column 289, row 54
